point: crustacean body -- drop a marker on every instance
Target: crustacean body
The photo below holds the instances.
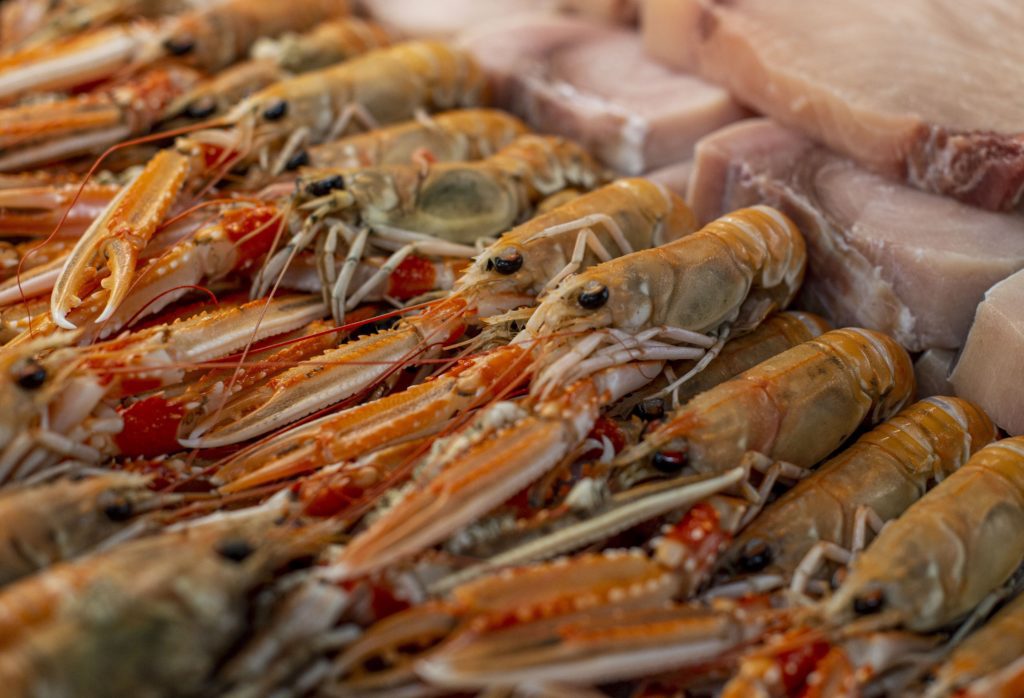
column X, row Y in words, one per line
column 385, row 86
column 150, row 617
column 628, row 644
column 988, row 662
column 252, row 232
column 50, row 522
column 685, row 309
column 209, row 37
column 929, row 568
column 511, row 272
column 323, row 375
column 57, row 398
column 444, row 208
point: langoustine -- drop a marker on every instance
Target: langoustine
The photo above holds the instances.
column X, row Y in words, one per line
column 58, row 399
column 443, row 208
column 511, row 272
column 685, row 309
column 385, row 85
column 208, row 37
column 908, row 580
column 689, row 636
column 243, row 233
column 150, row 617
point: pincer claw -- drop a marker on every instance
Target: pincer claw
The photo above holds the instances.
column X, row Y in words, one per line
column 119, row 234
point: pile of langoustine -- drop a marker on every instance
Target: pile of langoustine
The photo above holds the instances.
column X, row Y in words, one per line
column 327, row 380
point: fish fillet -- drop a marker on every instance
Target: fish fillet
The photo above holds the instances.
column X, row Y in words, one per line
column 596, row 85
column 990, row 370
column 927, row 91
column 881, row 254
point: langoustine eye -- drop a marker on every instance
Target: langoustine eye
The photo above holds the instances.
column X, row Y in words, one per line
column 506, row 262
column 31, row 375
column 593, row 296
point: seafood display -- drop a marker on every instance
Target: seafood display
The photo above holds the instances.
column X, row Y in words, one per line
column 596, row 84
column 997, row 321
column 917, row 130
column 883, row 255
column 355, row 349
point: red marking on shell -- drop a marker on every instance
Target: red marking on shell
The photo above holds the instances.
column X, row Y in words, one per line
column 329, row 496
column 150, row 427
column 214, row 155
column 384, row 602
column 413, row 277
column 796, row 665
column 254, row 229
column 700, row 533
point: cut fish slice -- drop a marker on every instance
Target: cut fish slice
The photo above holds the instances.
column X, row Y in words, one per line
column 989, row 369
column 928, row 91
column 596, row 85
column 881, row 255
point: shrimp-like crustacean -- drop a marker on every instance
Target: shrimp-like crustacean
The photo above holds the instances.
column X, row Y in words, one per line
column 937, row 435
column 626, row 215
column 61, row 401
column 208, row 37
column 47, row 523
column 777, row 334
column 685, row 295
column 150, row 617
column 939, row 559
column 235, row 243
column 584, row 501
column 28, row 23
column 242, row 234
column 277, row 59
column 724, row 280
column 627, row 644
column 35, row 208
column 926, row 570
column 444, row 208
column 792, row 410
column 452, row 136
column 383, row 86
column 89, row 123
column 872, row 481
column 35, row 134
column 988, row 662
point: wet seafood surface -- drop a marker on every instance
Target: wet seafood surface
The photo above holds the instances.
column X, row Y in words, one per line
column 510, row 348
column 884, row 254
column 935, row 106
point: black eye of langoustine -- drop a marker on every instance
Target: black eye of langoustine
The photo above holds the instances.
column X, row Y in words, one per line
column 121, row 510
column 508, row 261
column 179, row 45
column 668, row 461
column 235, row 549
column 201, row 108
column 869, row 602
column 323, row 187
column 31, row 376
column 593, row 296
column 300, row 159
column 276, row 111
column 755, row 556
